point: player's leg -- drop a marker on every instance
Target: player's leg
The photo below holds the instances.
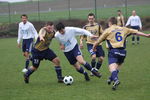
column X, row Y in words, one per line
column 58, row 69
column 100, row 54
column 50, row 55
column 82, row 71
column 133, row 39
column 114, row 75
column 27, row 49
column 35, row 63
column 138, row 40
column 87, row 66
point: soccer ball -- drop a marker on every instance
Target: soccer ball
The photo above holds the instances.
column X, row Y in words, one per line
column 68, row 80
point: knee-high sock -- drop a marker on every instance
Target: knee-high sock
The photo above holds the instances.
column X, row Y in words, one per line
column 114, row 75
column 27, row 63
column 87, row 66
column 29, row 72
column 93, row 63
column 58, row 72
column 81, row 70
column 98, row 65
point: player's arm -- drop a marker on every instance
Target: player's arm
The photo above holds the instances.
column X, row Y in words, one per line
column 128, row 22
column 34, row 32
column 122, row 20
column 140, row 23
column 79, row 31
column 100, row 39
column 81, row 41
column 132, row 31
column 19, row 37
column 100, row 30
column 42, row 34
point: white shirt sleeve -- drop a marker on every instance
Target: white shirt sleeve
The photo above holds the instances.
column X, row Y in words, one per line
column 129, row 21
column 79, row 31
column 34, row 32
column 140, row 24
column 19, row 35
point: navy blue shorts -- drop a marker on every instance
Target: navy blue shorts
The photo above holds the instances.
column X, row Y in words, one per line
column 71, row 55
column 135, row 27
column 116, row 56
column 99, row 50
column 37, row 56
column 27, row 45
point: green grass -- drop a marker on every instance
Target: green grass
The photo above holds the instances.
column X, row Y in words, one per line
column 102, row 13
column 134, row 76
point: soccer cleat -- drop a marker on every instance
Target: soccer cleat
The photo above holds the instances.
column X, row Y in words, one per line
column 96, row 73
column 61, row 80
column 24, row 70
column 86, row 77
column 26, row 79
column 91, row 74
column 109, row 81
column 115, row 85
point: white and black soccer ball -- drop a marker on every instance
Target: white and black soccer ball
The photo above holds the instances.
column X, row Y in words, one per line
column 68, row 80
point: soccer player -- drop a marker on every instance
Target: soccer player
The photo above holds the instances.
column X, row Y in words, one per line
column 42, row 51
column 27, row 32
column 68, row 43
column 135, row 23
column 97, row 30
column 115, row 37
column 120, row 19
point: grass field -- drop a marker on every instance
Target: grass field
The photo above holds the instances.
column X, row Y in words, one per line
column 102, row 13
column 134, row 77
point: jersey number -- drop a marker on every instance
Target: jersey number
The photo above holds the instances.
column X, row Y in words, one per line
column 118, row 36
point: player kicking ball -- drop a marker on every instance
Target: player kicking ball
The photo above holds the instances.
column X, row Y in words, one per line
column 42, row 51
column 115, row 37
column 68, row 43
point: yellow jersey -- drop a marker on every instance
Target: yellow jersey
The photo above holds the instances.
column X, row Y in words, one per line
column 95, row 29
column 115, row 36
column 43, row 45
column 120, row 20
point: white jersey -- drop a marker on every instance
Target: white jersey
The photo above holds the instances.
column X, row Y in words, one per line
column 26, row 31
column 134, row 21
column 68, row 38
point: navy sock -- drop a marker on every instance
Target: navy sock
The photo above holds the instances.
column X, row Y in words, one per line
column 138, row 38
column 81, row 70
column 98, row 66
column 29, row 72
column 93, row 63
column 133, row 38
column 58, row 72
column 27, row 63
column 114, row 75
column 87, row 66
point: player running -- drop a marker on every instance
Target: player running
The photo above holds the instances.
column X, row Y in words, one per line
column 68, row 43
column 42, row 51
column 27, row 32
column 115, row 37
column 97, row 30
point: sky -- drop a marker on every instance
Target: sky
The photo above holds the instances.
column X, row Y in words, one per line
column 11, row 1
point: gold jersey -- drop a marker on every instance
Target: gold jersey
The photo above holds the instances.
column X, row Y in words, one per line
column 95, row 29
column 120, row 20
column 116, row 36
column 43, row 45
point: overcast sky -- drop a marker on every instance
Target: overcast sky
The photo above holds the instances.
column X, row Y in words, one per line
column 13, row 0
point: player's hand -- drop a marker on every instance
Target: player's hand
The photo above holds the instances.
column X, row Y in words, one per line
column 94, row 46
column 94, row 37
column 81, row 45
column 42, row 39
column 19, row 45
column 62, row 47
